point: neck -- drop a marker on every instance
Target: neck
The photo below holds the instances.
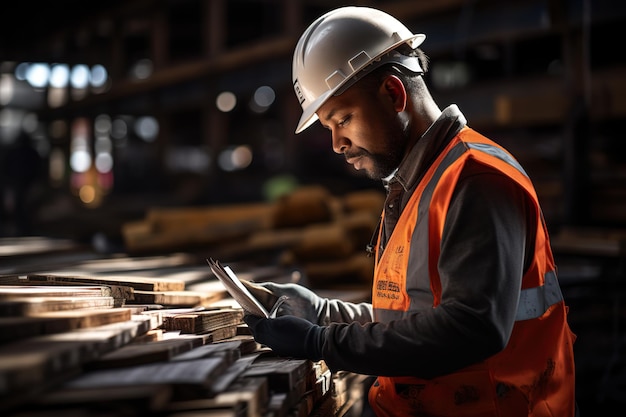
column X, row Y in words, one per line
column 423, row 119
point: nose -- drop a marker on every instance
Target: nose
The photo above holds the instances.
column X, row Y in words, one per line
column 340, row 143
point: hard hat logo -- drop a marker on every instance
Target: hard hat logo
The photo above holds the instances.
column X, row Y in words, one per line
column 298, row 91
column 338, row 47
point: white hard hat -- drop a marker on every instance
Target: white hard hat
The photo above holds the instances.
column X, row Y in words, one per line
column 337, row 46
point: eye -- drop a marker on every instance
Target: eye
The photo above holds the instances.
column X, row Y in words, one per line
column 343, row 122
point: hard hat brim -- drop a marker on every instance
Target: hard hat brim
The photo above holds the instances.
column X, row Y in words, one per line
column 309, row 115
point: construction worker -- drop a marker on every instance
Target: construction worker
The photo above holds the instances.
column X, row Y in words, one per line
column 467, row 316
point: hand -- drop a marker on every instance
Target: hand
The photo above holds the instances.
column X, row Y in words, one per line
column 301, row 302
column 265, row 296
column 288, row 336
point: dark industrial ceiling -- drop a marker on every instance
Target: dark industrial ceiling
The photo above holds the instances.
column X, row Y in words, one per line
column 26, row 25
column 28, row 29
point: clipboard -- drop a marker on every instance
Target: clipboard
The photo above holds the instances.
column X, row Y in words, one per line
column 240, row 293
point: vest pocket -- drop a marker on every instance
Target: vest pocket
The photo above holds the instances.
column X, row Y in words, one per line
column 469, row 393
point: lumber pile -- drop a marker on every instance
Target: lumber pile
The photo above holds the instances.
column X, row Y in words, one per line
column 323, row 235
column 101, row 338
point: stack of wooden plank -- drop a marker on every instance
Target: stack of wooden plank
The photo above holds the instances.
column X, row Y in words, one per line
column 41, row 347
column 96, row 340
column 323, row 234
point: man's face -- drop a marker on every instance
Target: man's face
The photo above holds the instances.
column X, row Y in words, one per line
column 366, row 129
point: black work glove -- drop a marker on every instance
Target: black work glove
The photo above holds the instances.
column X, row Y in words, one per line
column 288, row 336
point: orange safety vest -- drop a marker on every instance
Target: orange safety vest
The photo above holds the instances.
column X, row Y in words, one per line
column 534, row 374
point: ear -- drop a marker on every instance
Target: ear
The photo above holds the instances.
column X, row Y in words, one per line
column 396, row 91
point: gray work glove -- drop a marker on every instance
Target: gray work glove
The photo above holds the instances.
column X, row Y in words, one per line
column 300, row 302
column 304, row 303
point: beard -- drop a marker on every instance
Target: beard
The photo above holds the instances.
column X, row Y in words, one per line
column 384, row 163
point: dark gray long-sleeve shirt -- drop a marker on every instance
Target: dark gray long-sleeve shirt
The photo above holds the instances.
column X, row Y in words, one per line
column 486, row 246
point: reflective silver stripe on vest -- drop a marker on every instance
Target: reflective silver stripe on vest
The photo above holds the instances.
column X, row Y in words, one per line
column 534, row 302
column 498, row 153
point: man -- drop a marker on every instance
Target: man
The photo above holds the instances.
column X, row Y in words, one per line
column 467, row 318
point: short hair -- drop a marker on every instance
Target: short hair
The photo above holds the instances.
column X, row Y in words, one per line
column 408, row 77
column 406, row 50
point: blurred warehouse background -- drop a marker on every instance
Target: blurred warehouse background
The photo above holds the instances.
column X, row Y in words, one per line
column 110, row 109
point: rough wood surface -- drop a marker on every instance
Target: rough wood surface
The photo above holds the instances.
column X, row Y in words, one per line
column 145, row 399
column 138, row 283
column 284, row 375
column 198, row 373
column 38, row 324
column 27, row 366
column 204, row 321
column 8, row 292
column 140, row 353
column 252, row 392
column 120, row 293
column 178, row 298
column 36, row 305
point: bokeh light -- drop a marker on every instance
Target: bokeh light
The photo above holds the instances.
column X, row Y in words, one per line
column 79, row 77
column 38, row 74
column 226, row 101
column 235, row 158
column 59, row 76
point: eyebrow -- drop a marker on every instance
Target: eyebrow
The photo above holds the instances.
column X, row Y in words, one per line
column 330, row 114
